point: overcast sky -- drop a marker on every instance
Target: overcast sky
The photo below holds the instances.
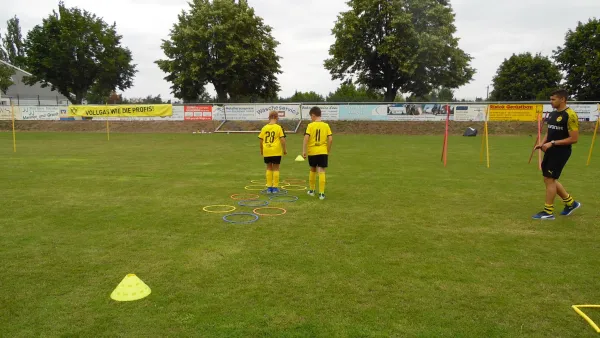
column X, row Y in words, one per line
column 489, row 31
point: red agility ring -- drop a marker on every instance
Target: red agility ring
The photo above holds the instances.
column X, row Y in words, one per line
column 244, row 197
column 257, row 213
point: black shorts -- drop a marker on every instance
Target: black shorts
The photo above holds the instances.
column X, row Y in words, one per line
column 273, row 159
column 554, row 161
column 318, row 161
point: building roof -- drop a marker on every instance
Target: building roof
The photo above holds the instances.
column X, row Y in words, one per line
column 20, row 91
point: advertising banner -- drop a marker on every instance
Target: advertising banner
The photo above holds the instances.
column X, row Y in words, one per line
column 198, row 113
column 285, row 111
column 418, row 112
column 585, row 112
column 130, row 110
column 178, row 115
column 239, row 112
column 469, row 112
column 363, row 112
column 514, row 112
column 6, row 114
column 40, row 112
column 328, row 112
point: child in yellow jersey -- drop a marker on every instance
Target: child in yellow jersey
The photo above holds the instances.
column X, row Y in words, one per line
column 272, row 148
column 317, row 146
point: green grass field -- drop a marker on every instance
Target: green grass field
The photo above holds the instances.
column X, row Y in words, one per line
column 401, row 247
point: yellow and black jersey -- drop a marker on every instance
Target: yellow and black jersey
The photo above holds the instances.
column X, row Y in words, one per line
column 560, row 123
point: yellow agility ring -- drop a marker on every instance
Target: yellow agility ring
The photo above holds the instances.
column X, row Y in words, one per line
column 260, row 214
column 254, row 187
column 218, row 206
column 257, row 181
column 296, row 187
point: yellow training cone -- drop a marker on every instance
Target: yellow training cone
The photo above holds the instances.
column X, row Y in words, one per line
column 130, row 288
column 299, row 158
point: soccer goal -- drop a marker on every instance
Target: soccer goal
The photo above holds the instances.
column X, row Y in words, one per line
column 251, row 118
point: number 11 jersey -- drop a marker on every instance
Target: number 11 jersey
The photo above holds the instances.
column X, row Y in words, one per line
column 317, row 138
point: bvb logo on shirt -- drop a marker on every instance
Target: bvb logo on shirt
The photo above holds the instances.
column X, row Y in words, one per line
column 559, row 119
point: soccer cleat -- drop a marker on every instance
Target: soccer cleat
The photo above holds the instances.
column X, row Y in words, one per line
column 568, row 210
column 321, row 196
column 543, row 215
column 269, row 190
column 311, row 193
column 275, row 190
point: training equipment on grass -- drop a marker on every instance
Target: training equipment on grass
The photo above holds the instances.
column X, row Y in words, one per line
column 244, row 197
column 594, row 137
column 537, row 140
column 470, row 132
column 445, row 146
column 296, row 187
column 218, row 206
column 282, row 209
column 253, row 203
column 285, row 199
column 485, row 143
column 131, row 288
column 254, row 187
column 299, row 158
column 255, row 218
column 257, row 181
column 12, row 112
column 588, row 319
column 281, row 192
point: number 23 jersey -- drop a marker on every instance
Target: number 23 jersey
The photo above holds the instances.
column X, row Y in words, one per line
column 271, row 135
column 317, row 138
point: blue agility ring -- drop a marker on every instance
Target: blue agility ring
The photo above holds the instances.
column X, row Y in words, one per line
column 281, row 192
column 253, row 203
column 241, row 214
column 289, row 199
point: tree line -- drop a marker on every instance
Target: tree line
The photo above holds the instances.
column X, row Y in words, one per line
column 384, row 50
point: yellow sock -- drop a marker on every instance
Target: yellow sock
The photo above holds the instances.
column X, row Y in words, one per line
column 269, row 178
column 312, row 180
column 321, row 183
column 275, row 179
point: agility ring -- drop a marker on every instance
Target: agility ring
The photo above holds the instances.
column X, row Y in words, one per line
column 296, row 187
column 253, row 187
column 284, row 199
column 238, row 197
column 260, row 214
column 218, row 206
column 257, row 181
column 253, row 203
column 226, row 218
column 281, row 192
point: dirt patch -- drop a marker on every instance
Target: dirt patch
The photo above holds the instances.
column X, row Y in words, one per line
column 338, row 127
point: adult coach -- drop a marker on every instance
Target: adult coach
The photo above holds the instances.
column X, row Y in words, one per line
column 563, row 131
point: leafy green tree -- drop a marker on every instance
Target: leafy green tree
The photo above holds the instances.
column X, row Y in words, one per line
column 224, row 43
column 399, row 45
column 579, row 58
column 74, row 51
column 3, row 54
column 436, row 95
column 524, row 77
column 13, row 44
column 348, row 92
column 6, row 73
column 306, row 97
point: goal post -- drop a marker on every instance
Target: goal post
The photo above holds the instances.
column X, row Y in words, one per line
column 245, row 118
